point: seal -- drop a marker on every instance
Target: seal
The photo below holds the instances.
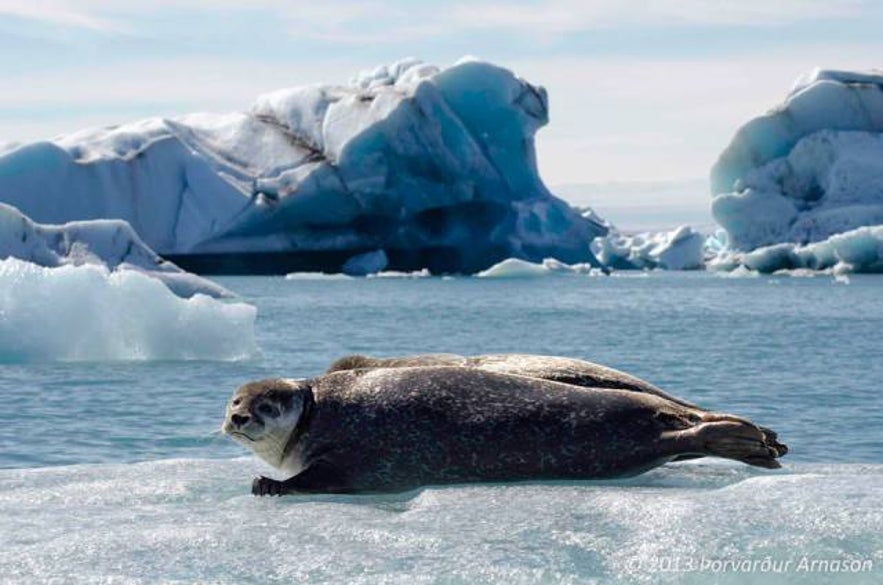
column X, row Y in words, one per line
column 575, row 372
column 556, row 369
column 399, row 428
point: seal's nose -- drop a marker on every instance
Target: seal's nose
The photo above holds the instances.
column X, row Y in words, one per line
column 239, row 420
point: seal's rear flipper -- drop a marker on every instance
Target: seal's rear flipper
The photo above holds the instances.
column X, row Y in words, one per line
column 731, row 438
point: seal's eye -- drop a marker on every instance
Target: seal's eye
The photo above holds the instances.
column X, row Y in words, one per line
column 237, row 401
column 267, row 409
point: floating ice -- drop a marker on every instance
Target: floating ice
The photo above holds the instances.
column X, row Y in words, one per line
column 317, row 276
column 399, row 274
column 517, row 268
column 858, row 250
column 434, row 168
column 85, row 312
column 808, row 169
column 680, row 249
column 110, row 243
column 194, row 521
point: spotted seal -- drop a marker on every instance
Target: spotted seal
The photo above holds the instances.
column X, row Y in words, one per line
column 575, row 372
column 399, row 428
column 556, row 369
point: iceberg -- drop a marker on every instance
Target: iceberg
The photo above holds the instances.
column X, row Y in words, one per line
column 680, row 249
column 88, row 313
column 318, row 276
column 395, row 274
column 105, row 242
column 406, row 167
column 807, row 170
column 858, row 250
column 517, row 268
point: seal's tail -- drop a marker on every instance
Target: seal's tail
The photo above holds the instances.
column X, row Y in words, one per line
column 731, row 437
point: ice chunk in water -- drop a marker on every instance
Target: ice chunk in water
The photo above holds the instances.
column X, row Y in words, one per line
column 89, row 313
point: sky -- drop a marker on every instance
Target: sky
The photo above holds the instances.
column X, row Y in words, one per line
column 640, row 90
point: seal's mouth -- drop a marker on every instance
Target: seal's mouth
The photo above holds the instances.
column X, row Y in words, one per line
column 241, row 434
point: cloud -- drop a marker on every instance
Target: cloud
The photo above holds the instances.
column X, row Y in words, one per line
column 59, row 14
column 352, row 21
column 563, row 16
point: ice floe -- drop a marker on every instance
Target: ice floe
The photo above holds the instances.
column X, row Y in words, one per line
column 86, row 312
column 189, row 520
column 517, row 268
column 858, row 250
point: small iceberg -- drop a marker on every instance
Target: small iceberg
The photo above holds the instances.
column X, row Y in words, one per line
column 682, row 248
column 111, row 243
column 517, row 268
column 858, row 250
column 89, row 313
column 318, row 276
column 399, row 274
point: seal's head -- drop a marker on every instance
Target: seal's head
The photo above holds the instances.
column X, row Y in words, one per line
column 263, row 416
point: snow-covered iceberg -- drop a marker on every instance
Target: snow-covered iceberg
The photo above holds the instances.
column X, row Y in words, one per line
column 680, row 249
column 420, row 166
column 109, row 243
column 86, row 312
column 807, row 170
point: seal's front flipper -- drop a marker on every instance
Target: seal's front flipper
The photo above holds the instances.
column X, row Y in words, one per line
column 317, row 478
column 266, row 486
column 731, row 438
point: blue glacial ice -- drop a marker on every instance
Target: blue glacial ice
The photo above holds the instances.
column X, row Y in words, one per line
column 406, row 167
column 104, row 242
column 804, row 173
column 87, row 313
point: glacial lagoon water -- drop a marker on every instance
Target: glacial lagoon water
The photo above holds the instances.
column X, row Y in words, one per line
column 112, row 472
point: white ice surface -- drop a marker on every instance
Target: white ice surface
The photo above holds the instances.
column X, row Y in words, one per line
column 186, row 521
column 399, row 274
column 73, row 313
column 104, row 242
column 317, row 276
column 517, row 268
